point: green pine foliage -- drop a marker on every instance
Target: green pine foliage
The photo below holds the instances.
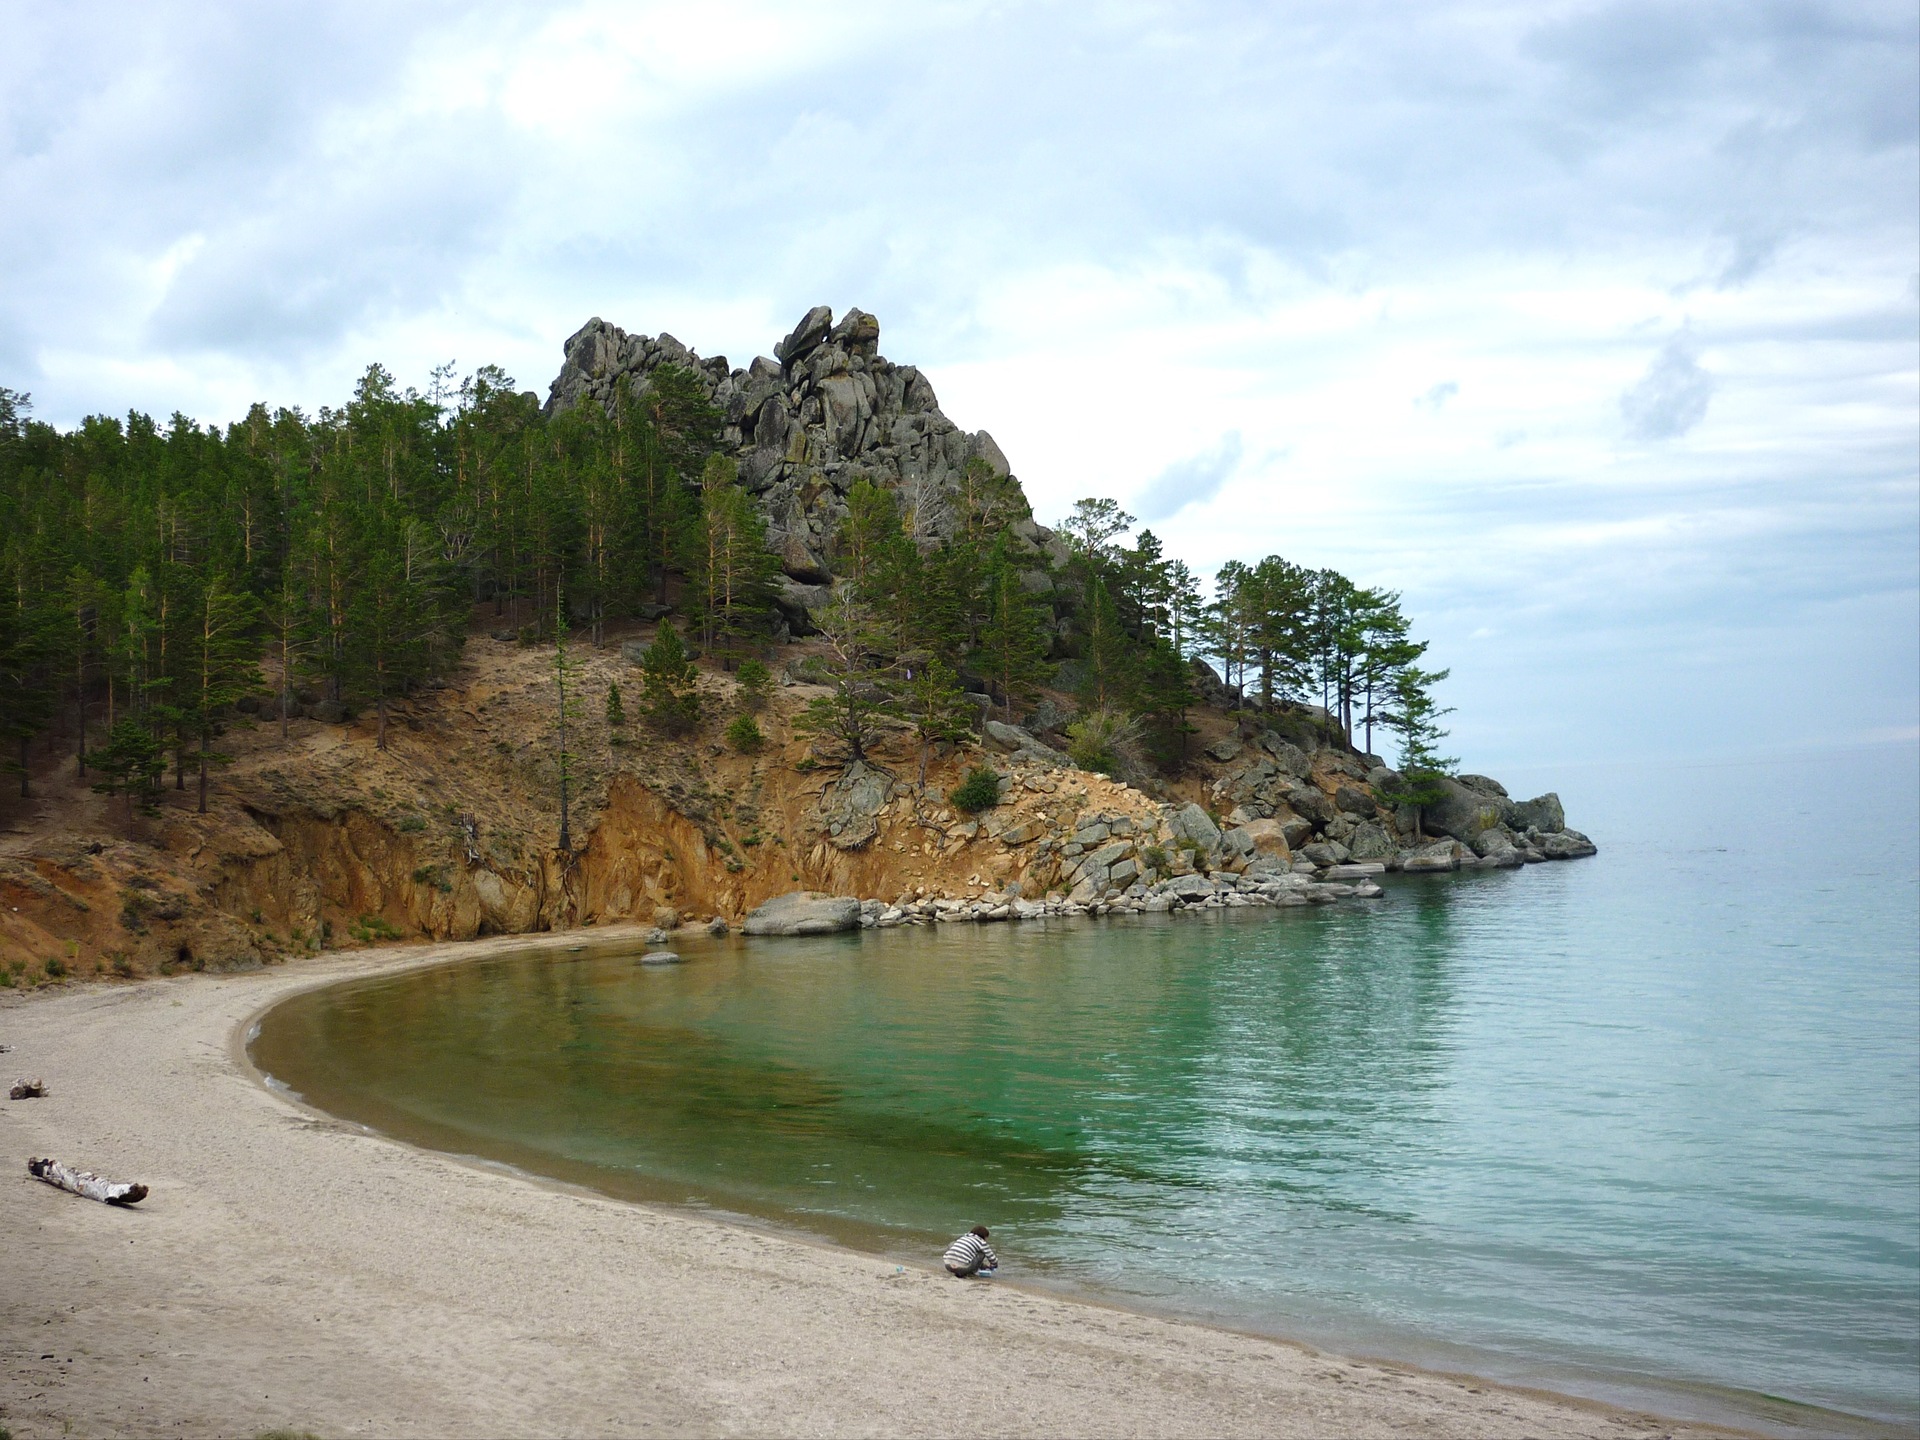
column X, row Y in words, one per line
column 157, row 573
column 756, row 684
column 743, row 734
column 979, row 791
column 150, row 568
column 1415, row 719
column 670, row 683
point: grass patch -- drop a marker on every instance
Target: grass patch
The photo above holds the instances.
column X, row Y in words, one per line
column 370, row 928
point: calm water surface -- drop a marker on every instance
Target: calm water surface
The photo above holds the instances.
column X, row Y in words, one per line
column 1645, row 1126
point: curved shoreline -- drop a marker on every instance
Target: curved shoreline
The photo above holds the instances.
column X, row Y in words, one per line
column 290, row 1268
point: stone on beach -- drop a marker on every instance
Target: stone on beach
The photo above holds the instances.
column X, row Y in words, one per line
column 803, row 912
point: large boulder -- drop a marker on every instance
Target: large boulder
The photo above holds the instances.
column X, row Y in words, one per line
column 1567, row 845
column 1462, row 812
column 1441, row 855
column 851, row 807
column 1354, row 800
column 804, row 912
column 1543, row 813
column 797, row 602
column 1370, row 841
column 1193, row 824
column 1268, row 837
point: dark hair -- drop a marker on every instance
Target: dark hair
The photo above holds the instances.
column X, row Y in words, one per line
column 979, row 1230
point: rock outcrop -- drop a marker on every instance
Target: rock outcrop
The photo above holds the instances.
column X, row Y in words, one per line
column 804, row 426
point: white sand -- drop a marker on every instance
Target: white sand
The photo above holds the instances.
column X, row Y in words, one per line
column 288, row 1270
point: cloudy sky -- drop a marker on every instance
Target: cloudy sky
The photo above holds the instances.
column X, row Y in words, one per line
column 1594, row 328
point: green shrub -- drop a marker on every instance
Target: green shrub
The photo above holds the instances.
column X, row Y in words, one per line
column 979, row 791
column 744, row 734
column 1155, row 857
column 756, row 682
column 370, row 928
column 56, row 967
column 1104, row 741
column 413, row 825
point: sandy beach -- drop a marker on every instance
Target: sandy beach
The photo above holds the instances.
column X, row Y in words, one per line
column 290, row 1270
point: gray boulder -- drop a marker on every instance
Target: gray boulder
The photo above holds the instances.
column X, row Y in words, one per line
column 1188, row 887
column 805, row 337
column 1567, row 845
column 1354, row 800
column 1370, row 841
column 1296, row 830
column 1290, row 759
column 796, row 602
column 1311, row 803
column 1463, row 812
column 1542, row 813
column 1487, row 843
column 660, row 957
column 1192, row 823
column 803, row 912
column 1010, row 738
column 1441, row 855
column 851, row 807
column 1224, row 749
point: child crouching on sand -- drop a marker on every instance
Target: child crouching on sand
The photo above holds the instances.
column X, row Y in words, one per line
column 970, row 1255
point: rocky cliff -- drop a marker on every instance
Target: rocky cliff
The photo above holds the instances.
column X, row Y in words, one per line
column 828, row 410
column 321, row 838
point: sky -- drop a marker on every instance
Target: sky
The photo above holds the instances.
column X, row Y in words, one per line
column 1591, row 328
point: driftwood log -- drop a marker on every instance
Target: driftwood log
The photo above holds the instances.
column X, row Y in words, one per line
column 85, row 1182
column 27, row 1090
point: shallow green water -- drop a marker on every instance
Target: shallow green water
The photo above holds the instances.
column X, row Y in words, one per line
column 1646, row 1126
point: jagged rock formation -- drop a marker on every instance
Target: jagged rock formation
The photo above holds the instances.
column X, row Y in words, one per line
column 806, row 425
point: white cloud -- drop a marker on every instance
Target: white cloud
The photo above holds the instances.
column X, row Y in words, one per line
column 1671, row 398
column 1113, row 236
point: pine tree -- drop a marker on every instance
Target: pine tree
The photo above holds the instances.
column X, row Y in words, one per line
column 670, row 697
column 130, row 763
column 732, row 568
column 223, row 663
column 1415, row 719
column 931, row 698
column 1013, row 644
column 566, row 709
column 850, row 718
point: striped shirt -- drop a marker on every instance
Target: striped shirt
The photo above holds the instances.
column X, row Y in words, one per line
column 970, row 1252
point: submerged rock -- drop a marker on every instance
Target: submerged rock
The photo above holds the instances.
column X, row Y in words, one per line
column 661, row 957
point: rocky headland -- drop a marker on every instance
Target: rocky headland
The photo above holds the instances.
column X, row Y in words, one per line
column 321, row 839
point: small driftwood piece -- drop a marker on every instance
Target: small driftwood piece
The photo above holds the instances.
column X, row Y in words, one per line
column 85, row 1182
column 27, row 1090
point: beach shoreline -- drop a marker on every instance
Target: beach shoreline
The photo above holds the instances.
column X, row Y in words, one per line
column 292, row 1269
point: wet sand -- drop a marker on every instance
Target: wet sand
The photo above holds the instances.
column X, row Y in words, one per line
column 292, row 1270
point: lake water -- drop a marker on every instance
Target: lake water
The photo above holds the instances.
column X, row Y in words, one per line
column 1644, row 1127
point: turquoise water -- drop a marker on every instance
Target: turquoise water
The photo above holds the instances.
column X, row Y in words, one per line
column 1645, row 1126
